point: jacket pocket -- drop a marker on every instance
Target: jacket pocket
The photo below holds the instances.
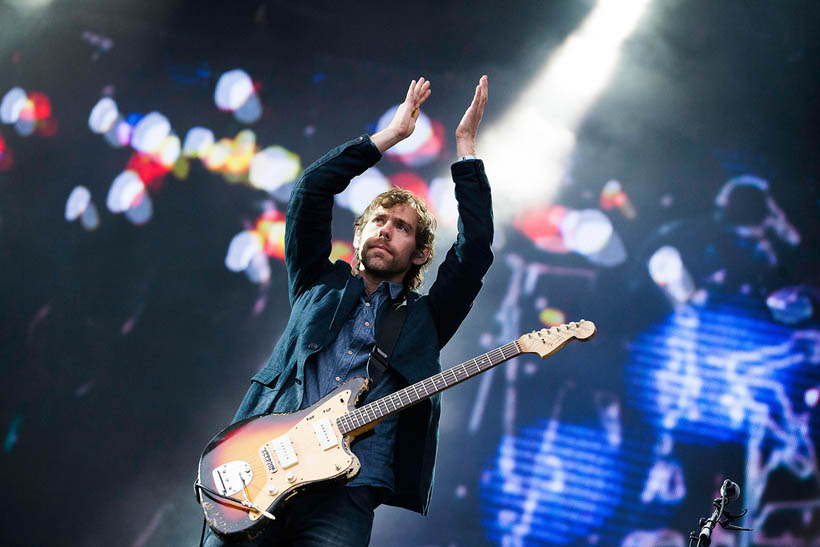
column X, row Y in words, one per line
column 267, row 376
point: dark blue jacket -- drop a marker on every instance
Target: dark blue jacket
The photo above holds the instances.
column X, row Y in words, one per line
column 322, row 299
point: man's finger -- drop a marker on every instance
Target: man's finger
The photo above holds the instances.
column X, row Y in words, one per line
column 422, row 90
column 419, row 87
column 410, row 91
column 423, row 93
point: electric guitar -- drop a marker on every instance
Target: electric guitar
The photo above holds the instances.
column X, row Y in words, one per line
column 252, row 466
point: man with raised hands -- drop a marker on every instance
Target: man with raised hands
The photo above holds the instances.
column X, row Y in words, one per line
column 338, row 309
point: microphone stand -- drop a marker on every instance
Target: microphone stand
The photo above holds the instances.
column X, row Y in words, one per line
column 729, row 491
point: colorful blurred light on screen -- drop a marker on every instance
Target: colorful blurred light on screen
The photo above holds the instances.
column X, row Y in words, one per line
column 258, row 271
column 443, row 201
column 120, row 134
column 126, row 189
column 142, row 210
column 197, row 142
column 552, row 317
column 150, row 132
column 80, row 206
column 790, row 305
column 613, row 196
column 362, row 189
column 250, row 111
column 812, row 396
column 235, row 92
column 5, row 155
column 239, row 159
column 104, row 115
column 543, row 227
column 169, row 151
column 12, row 104
column 273, row 167
column 243, row 247
column 217, row 154
column 341, row 250
column 78, row 201
column 28, row 113
column 40, row 106
column 148, row 167
column 233, row 89
column 90, row 218
column 667, row 270
column 271, row 228
column 613, row 253
column 408, row 180
column 587, row 231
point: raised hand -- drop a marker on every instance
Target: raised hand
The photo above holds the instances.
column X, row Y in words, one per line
column 468, row 126
column 404, row 122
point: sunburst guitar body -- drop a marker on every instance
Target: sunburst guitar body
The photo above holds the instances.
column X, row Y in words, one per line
column 267, row 459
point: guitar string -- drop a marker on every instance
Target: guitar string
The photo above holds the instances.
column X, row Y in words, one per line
column 370, row 412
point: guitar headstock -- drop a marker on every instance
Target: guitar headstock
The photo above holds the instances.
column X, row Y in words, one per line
column 545, row 342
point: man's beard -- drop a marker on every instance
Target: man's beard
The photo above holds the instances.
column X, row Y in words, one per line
column 380, row 266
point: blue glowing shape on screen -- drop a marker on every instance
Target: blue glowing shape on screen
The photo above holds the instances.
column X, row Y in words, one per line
column 553, row 483
column 714, row 373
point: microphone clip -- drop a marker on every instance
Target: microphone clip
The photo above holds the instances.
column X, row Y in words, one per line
column 729, row 492
column 728, row 518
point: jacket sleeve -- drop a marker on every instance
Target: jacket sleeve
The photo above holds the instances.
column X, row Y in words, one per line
column 459, row 276
column 309, row 214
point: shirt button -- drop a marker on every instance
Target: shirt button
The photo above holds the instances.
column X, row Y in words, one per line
column 367, row 323
column 313, row 345
column 350, row 352
column 367, row 304
column 338, row 378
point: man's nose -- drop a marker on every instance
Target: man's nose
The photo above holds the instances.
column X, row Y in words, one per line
column 384, row 231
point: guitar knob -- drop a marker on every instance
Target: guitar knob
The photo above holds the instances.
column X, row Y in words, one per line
column 273, row 491
column 291, row 477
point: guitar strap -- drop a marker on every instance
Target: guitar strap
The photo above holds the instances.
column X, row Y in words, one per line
column 386, row 338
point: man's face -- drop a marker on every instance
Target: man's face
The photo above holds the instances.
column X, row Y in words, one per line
column 386, row 243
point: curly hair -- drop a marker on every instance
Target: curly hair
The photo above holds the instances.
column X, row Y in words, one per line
column 425, row 229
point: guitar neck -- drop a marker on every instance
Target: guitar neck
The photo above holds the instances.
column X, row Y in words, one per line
column 398, row 401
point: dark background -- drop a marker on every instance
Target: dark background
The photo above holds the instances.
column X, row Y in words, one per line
column 103, row 425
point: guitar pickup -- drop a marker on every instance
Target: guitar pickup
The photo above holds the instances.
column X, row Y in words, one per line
column 283, row 448
column 325, row 434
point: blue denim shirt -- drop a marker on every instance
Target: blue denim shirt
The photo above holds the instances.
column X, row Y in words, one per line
column 347, row 358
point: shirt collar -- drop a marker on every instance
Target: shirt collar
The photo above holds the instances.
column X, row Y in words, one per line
column 395, row 289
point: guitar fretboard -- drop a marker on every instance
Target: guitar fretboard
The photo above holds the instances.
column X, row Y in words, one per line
column 425, row 389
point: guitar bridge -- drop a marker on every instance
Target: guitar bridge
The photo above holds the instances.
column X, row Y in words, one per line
column 267, row 458
column 232, row 477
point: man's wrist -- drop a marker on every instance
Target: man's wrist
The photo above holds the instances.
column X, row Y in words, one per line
column 465, row 147
column 385, row 139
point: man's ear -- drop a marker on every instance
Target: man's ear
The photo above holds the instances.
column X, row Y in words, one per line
column 357, row 234
column 420, row 257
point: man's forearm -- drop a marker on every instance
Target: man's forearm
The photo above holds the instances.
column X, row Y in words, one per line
column 385, row 139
